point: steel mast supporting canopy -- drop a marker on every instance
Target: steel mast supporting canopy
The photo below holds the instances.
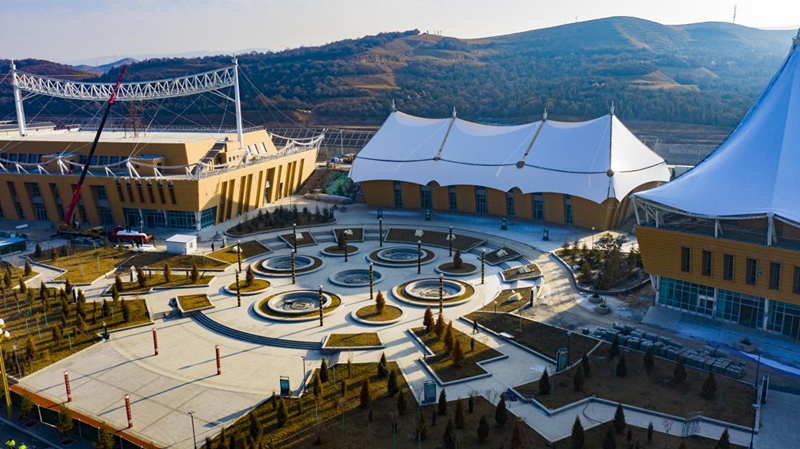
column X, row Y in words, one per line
column 211, row 81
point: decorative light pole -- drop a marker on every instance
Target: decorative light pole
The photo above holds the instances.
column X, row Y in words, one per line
column 380, row 232
column 345, row 233
column 155, row 342
column 219, row 365
column 239, row 253
column 66, row 385
column 483, row 264
column 319, row 289
column 4, row 335
column 238, row 293
column 419, row 256
column 294, row 235
column 371, row 279
column 128, row 410
column 294, row 272
column 441, row 293
column 450, row 242
column 592, row 236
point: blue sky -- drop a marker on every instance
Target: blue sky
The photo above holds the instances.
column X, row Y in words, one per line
column 73, row 30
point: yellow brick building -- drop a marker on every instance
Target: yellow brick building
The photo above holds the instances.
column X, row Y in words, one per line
column 180, row 180
column 577, row 174
column 723, row 240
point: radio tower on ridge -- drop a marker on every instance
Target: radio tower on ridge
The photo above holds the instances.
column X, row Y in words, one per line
column 734, row 13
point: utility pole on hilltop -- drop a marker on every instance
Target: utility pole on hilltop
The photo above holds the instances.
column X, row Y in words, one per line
column 734, row 13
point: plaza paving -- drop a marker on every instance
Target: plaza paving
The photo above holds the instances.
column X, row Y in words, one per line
column 182, row 378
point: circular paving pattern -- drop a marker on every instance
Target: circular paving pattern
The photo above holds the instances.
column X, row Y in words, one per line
column 425, row 292
column 282, row 265
column 355, row 277
column 400, row 256
column 296, row 305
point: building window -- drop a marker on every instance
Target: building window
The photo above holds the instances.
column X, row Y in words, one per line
column 775, row 276
column 207, row 217
column 727, row 269
column 101, row 193
column 105, row 215
column 452, row 198
column 41, row 212
column 784, row 319
column 752, row 271
column 510, row 210
column 686, row 259
column 35, row 190
column 113, row 160
column 398, row 194
column 171, row 189
column 796, row 288
column 425, row 197
column 568, row 209
column 538, row 206
column 707, row 263
column 480, row 199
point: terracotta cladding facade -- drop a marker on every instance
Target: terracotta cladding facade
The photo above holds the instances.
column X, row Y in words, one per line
column 232, row 191
column 586, row 214
column 661, row 254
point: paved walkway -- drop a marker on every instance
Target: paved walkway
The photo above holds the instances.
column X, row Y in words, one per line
column 183, row 377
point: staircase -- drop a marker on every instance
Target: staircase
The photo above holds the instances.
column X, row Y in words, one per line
column 214, row 326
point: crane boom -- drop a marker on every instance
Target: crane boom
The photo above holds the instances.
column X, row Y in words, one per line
column 77, row 194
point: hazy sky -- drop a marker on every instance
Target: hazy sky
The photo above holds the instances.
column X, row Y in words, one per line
column 70, row 30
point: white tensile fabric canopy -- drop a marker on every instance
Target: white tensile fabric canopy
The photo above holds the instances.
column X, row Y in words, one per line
column 596, row 160
column 756, row 171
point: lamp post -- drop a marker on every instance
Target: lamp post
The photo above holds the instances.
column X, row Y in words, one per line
column 755, row 423
column 304, row 365
column 380, row 232
column 441, row 293
column 4, row 335
column 294, row 235
column 450, row 241
column 592, row 236
column 294, row 272
column 66, row 385
column 128, row 410
column 483, row 264
column 319, row 289
column 238, row 256
column 155, row 342
column 238, row 293
column 344, row 236
column 419, row 256
column 371, row 279
column 219, row 365
column 194, row 435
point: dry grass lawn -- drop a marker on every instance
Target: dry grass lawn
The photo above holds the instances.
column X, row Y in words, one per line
column 158, row 280
column 655, row 391
column 353, row 340
column 370, row 313
column 442, row 363
column 192, row 302
column 84, row 264
column 153, row 259
column 249, row 249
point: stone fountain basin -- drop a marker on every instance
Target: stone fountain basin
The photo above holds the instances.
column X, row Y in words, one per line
column 356, row 277
column 284, row 263
column 428, row 289
column 298, row 302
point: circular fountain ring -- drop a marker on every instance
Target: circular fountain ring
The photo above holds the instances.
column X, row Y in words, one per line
column 428, row 289
column 355, row 277
column 282, row 265
column 296, row 305
column 425, row 292
column 400, row 256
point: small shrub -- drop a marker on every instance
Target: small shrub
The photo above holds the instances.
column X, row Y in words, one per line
column 428, row 320
column 366, row 395
column 28, row 268
column 442, row 406
column 282, row 415
column 679, row 373
column 402, row 405
column 392, row 385
column 458, row 354
column 461, row 417
column 483, row 429
column 25, row 405
column 613, row 351
column 649, row 360
column 38, row 251
column 650, row 433
column 709, row 389
column 457, row 261
column 380, row 302
column 517, row 437
column 578, row 437
column 609, row 438
column 65, row 421
column 195, row 274
column 544, row 384
column 249, row 277
column 587, row 367
column 324, row 372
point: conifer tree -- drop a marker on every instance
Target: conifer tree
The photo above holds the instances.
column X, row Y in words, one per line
column 724, row 441
column 614, row 350
column 709, row 389
column 458, row 354
column 517, row 437
column 544, row 384
column 578, row 380
column 249, row 277
column 380, row 302
column 282, row 415
column 501, row 412
column 619, row 419
column 392, row 385
column 402, row 405
column 461, row 417
column 578, row 437
column 679, row 373
column 442, row 407
column 324, row 372
column 366, row 395
column 649, row 360
column 609, row 438
column 422, row 428
column 428, row 320
column 587, row 367
column 167, row 273
column 622, row 366
column 483, row 429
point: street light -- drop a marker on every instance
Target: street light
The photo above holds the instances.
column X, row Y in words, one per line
column 194, row 435
column 4, row 335
column 592, row 236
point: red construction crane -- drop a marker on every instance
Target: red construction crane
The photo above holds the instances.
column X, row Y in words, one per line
column 77, row 194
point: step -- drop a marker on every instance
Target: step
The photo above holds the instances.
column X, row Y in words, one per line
column 217, row 327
